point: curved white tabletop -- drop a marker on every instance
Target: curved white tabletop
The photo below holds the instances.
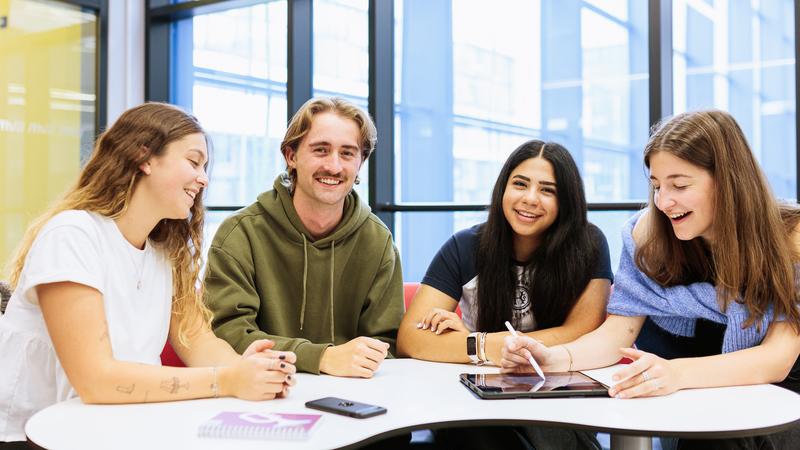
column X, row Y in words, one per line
column 417, row 394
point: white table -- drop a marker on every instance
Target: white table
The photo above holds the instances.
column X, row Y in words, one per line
column 420, row 395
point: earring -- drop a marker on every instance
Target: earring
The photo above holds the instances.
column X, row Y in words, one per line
column 358, row 180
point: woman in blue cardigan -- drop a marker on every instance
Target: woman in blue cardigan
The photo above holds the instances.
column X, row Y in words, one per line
column 706, row 278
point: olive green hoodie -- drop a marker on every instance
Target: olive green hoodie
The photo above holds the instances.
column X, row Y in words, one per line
column 268, row 278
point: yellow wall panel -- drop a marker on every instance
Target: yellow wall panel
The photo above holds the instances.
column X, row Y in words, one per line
column 47, row 107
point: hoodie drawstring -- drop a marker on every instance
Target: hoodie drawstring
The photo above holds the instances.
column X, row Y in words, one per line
column 305, row 278
column 333, row 246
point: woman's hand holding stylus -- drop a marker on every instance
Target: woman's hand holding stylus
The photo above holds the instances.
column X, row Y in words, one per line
column 517, row 350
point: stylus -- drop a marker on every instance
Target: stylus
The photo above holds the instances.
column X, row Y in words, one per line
column 530, row 358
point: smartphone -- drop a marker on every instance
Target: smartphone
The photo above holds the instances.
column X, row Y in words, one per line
column 346, row 407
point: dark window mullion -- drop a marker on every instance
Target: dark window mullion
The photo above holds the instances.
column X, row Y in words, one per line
column 660, row 56
column 381, row 107
column 100, row 9
column 453, row 207
column 102, row 70
column 158, row 42
column 300, row 55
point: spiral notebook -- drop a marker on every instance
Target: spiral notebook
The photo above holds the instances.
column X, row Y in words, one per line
column 250, row 425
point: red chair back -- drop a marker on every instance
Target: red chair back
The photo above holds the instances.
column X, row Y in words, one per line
column 169, row 357
column 410, row 289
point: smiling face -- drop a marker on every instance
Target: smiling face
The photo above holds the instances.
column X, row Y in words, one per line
column 176, row 177
column 530, row 203
column 684, row 192
column 327, row 161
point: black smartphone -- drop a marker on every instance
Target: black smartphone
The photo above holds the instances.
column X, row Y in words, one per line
column 346, row 407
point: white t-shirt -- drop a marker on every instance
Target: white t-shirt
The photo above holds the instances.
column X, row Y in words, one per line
column 88, row 249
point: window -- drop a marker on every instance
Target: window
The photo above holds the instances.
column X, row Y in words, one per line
column 230, row 72
column 473, row 83
column 341, row 58
column 739, row 57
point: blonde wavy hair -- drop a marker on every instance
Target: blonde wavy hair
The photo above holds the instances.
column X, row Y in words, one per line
column 105, row 186
column 304, row 117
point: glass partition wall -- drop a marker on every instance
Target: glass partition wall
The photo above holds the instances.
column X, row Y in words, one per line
column 49, row 105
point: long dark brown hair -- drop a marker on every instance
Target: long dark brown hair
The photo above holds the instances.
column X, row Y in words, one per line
column 561, row 265
column 752, row 256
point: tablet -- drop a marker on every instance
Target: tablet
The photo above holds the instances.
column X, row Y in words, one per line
column 530, row 385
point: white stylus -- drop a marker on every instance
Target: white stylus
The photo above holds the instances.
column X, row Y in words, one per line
column 530, row 358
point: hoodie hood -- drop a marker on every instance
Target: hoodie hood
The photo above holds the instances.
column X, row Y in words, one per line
column 277, row 203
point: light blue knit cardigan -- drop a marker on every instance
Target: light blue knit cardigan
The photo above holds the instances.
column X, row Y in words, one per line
column 676, row 308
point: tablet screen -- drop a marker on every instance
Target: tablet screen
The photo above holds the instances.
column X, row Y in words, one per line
column 530, row 384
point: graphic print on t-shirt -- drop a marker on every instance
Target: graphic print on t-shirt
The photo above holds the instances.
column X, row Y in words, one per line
column 454, row 273
column 522, row 313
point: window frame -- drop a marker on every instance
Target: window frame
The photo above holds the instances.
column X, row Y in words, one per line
column 100, row 9
column 161, row 14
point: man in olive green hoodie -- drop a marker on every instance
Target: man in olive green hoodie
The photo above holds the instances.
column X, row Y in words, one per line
column 307, row 265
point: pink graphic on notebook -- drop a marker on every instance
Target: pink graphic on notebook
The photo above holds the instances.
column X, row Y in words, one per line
column 251, row 425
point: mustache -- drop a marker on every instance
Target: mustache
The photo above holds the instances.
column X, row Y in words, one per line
column 324, row 174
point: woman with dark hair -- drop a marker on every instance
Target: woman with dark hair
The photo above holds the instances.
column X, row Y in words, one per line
column 537, row 262
column 707, row 279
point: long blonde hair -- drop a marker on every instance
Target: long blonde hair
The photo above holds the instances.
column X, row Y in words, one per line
column 106, row 184
column 753, row 253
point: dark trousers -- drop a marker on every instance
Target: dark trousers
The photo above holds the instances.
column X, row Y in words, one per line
column 784, row 440
column 391, row 443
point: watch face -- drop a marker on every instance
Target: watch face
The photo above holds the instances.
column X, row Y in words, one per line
column 471, row 347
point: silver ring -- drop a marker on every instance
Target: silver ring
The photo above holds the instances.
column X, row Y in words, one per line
column 645, row 376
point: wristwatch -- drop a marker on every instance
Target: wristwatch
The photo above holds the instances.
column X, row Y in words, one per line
column 472, row 347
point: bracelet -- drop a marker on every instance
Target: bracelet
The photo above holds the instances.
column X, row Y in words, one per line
column 214, row 385
column 482, row 348
column 570, row 357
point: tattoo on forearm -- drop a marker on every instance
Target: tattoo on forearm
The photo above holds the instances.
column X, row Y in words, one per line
column 105, row 335
column 173, row 385
column 126, row 389
column 630, row 330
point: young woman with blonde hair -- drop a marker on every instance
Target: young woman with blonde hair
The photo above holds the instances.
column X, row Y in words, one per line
column 707, row 278
column 110, row 272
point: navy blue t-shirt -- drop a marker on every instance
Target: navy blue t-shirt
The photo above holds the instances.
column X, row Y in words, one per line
column 453, row 272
